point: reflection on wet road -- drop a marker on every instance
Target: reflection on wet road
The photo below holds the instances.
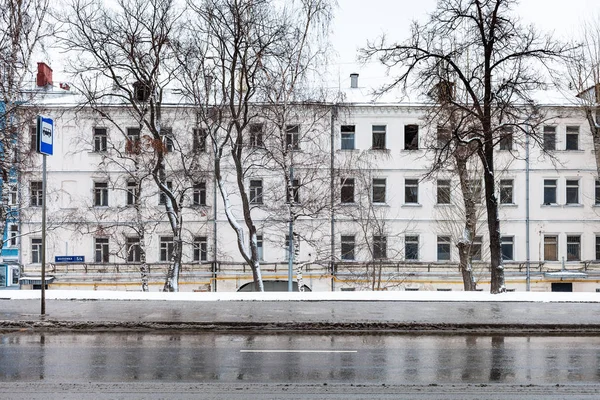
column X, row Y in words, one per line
column 390, row 359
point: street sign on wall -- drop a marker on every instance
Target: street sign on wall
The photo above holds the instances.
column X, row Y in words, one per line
column 45, row 135
column 69, row 259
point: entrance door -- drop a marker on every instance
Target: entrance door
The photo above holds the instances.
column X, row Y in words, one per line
column 562, row 287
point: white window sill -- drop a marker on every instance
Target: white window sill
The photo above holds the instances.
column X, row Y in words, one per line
column 416, row 205
column 508, row 205
column 573, row 205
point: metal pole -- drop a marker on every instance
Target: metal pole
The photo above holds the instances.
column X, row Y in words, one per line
column 291, row 233
column 527, row 244
column 43, row 296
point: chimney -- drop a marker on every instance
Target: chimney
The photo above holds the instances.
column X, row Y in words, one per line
column 44, row 75
column 354, row 80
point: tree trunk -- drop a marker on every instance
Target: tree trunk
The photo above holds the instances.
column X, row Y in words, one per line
column 465, row 243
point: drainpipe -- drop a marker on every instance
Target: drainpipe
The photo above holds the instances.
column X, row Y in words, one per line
column 527, row 249
column 332, row 194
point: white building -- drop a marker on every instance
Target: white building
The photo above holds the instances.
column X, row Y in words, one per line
column 362, row 191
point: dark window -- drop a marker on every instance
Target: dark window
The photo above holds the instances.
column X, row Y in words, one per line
column 36, row 251
column 411, row 191
column 379, row 247
column 256, row 191
column 348, row 132
column 549, row 191
column 200, row 248
column 411, row 137
column 549, row 138
column 378, row 190
column 101, row 250
column 443, row 137
column 378, row 137
column 100, row 139
column 132, row 192
column 13, row 195
column 597, row 247
column 506, row 138
column 13, row 234
column 476, row 247
column 133, row 249
column 36, row 198
column 292, row 137
column 506, row 247
column 347, row 190
column 33, row 138
column 597, row 201
column 141, row 91
column 259, row 246
column 166, row 248
column 443, row 248
column 293, row 191
column 506, row 191
column 572, row 191
column 474, row 188
column 167, row 139
column 443, row 191
column 573, row 248
column 572, row 142
column 132, row 146
column 100, row 194
column 199, row 194
column 550, row 248
column 199, row 140
column 348, row 245
column 256, row 135
column 411, row 248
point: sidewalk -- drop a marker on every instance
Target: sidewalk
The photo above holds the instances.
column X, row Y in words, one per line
column 402, row 312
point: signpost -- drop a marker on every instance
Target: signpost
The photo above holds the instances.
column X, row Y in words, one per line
column 45, row 146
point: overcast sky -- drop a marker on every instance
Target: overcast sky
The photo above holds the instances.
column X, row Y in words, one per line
column 357, row 21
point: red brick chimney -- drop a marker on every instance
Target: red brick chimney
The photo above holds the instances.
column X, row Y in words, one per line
column 44, row 75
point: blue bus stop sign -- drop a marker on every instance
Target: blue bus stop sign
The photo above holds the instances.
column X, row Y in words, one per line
column 45, row 135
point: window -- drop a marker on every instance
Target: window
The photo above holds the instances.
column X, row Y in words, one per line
column 573, row 248
column 443, row 191
column 199, row 194
column 259, row 247
column 347, row 190
column 292, row 137
column 443, row 248
column 572, row 142
column 378, row 137
column 411, row 137
column 166, row 248
column 476, row 247
column 597, row 247
column 200, row 246
column 256, row 191
column 597, row 197
column 549, row 138
column 133, row 249
column 551, row 248
column 100, row 194
column 33, row 138
column 133, row 192
column 443, row 137
column 572, row 191
column 378, row 190
column 411, row 191
column 293, row 192
column 549, row 191
column 348, row 137
column 506, row 138
column 506, row 191
column 379, row 247
column 506, row 247
column 348, row 246
column 162, row 197
column 101, row 250
column 256, row 135
column 199, row 140
column 474, row 188
column 13, row 234
column 141, row 91
column 13, row 195
column 36, row 251
column 36, row 198
column 167, row 139
column 100, row 140
column 411, row 248
column 132, row 145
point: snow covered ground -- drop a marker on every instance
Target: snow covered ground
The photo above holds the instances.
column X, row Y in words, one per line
column 546, row 297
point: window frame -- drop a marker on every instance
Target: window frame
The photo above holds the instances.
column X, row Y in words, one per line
column 162, row 197
column 507, row 243
column 36, row 194
column 199, row 194
column 506, row 187
column 506, row 139
column 572, row 191
column 443, row 242
column 199, row 136
column 476, row 251
column 166, row 248
column 549, row 138
column 444, row 191
column 167, row 138
column 380, row 247
column 292, row 137
column 348, row 247
column 411, row 241
column 550, row 247
column 12, row 239
column 573, row 242
column 100, row 135
column 550, row 190
column 133, row 249
column 133, row 192
column 36, row 250
column 256, row 135
column 256, row 191
column 101, row 250
column 200, row 248
column 411, row 191
column 378, row 190
column 347, row 190
column 572, row 138
column 411, row 131
column 348, row 136
column 133, row 141
column 379, row 133
column 100, row 194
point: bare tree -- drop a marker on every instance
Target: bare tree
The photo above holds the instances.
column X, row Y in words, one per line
column 125, row 57
column 485, row 64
